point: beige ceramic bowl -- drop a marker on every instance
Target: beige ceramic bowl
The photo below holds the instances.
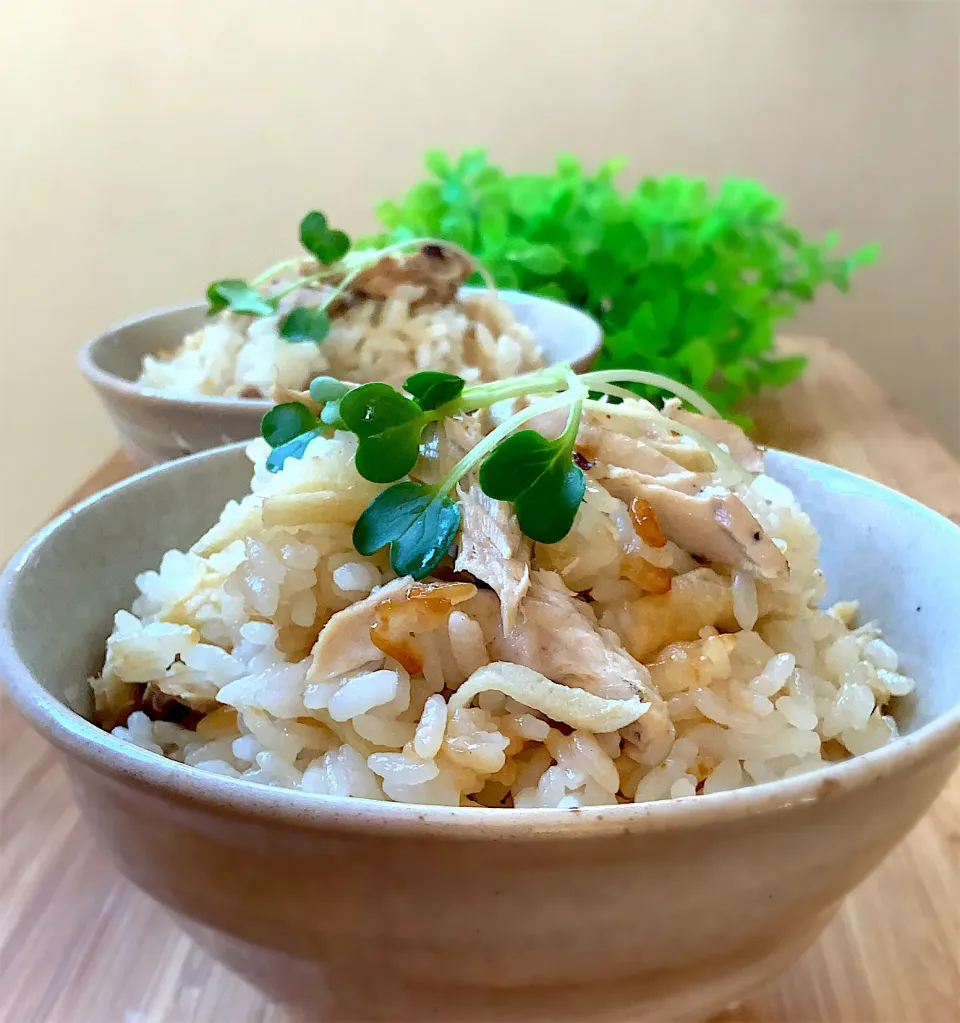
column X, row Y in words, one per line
column 364, row 910
column 155, row 427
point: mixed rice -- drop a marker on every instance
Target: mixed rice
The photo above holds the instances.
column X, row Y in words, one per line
column 670, row 645
column 400, row 316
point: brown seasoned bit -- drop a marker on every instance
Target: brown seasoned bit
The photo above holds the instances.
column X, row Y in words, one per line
column 440, row 270
column 250, row 391
column 645, row 523
column 114, row 703
column 446, row 573
column 423, row 608
column 298, row 639
column 697, row 598
column 344, row 643
column 588, row 448
column 156, row 703
column 161, row 706
column 217, row 723
column 646, row 577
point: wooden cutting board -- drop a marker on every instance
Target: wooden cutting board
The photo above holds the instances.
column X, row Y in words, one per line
column 78, row 944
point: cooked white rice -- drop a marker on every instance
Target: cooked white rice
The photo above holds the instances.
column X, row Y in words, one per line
column 248, row 637
column 374, row 339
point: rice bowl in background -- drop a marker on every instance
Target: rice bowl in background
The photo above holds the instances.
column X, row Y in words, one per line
column 400, row 317
column 157, row 427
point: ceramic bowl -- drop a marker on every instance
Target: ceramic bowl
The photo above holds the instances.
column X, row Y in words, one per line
column 155, row 427
column 363, row 910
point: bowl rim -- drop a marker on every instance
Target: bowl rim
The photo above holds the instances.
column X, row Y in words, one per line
column 105, row 380
column 98, row 749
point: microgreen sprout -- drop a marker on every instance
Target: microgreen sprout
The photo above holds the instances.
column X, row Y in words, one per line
column 537, row 475
column 316, row 237
column 419, row 521
column 324, row 389
column 430, row 390
column 288, row 429
column 636, row 376
column 329, row 247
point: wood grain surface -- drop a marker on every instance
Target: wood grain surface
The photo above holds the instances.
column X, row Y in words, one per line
column 78, row 944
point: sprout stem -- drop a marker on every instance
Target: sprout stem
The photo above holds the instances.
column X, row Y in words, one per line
column 483, row 395
column 638, row 376
column 480, row 451
column 272, row 271
column 375, row 257
column 725, row 461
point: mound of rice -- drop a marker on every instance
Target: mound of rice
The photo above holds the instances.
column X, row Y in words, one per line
column 386, row 337
column 615, row 666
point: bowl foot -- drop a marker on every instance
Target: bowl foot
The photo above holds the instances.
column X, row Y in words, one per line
column 319, row 992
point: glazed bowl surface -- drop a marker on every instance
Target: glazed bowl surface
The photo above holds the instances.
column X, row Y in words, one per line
column 354, row 909
column 156, row 427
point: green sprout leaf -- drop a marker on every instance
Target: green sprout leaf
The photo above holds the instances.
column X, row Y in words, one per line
column 305, row 324
column 416, row 521
column 431, row 390
column 517, row 461
column 539, row 477
column 285, row 422
column 238, row 297
column 288, row 429
column 320, row 240
column 330, row 415
column 388, row 427
column 294, row 448
column 547, row 508
column 323, row 389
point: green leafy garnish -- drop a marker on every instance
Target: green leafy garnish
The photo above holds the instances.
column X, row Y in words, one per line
column 238, row 297
column 418, row 523
column 540, row 478
column 312, row 323
column 327, row 389
column 431, row 390
column 294, row 448
column 686, row 281
column 288, row 429
column 284, row 422
column 302, row 324
column 305, row 324
column 388, row 427
column 330, row 415
column 320, row 240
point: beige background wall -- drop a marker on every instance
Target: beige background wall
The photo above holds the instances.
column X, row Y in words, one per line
column 148, row 148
